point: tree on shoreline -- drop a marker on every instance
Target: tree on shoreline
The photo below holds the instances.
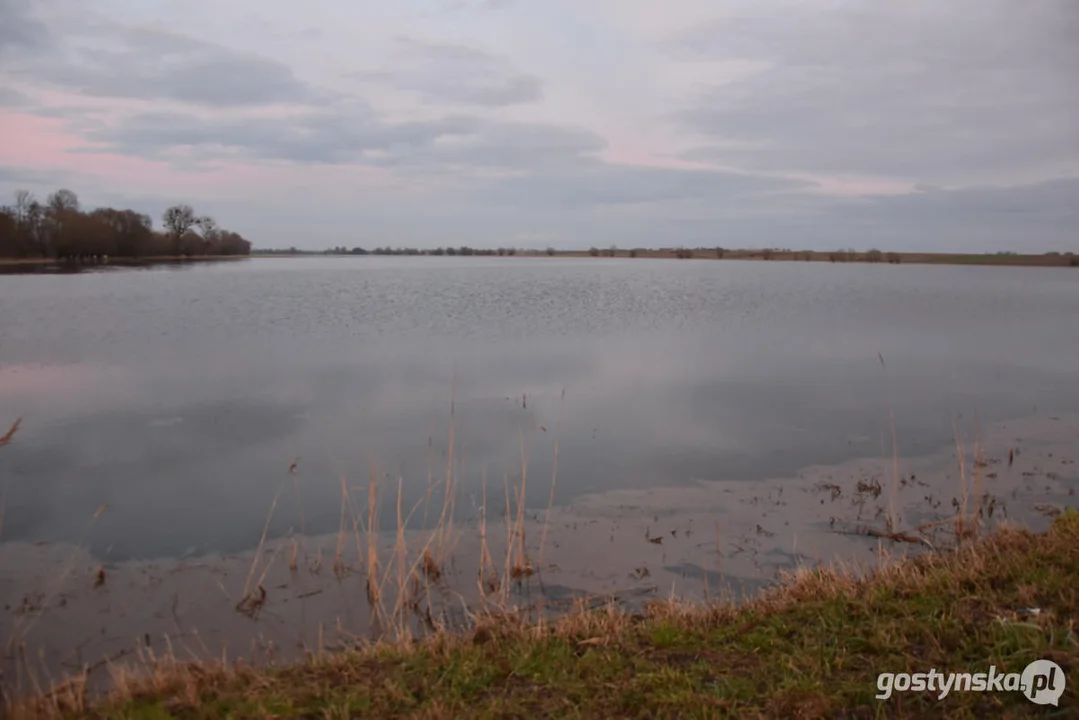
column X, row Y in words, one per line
column 60, row 229
column 178, row 220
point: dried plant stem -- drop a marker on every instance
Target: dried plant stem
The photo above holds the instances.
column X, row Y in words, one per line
column 262, row 542
column 554, row 477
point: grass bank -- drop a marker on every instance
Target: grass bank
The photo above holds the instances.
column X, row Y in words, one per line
column 810, row 648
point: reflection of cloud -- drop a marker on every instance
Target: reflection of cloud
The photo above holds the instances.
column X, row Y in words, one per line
column 36, row 379
column 42, row 393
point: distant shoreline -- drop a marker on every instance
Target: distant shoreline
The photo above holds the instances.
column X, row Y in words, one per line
column 983, row 259
column 903, row 258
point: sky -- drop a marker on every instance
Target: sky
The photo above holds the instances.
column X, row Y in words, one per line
column 818, row 124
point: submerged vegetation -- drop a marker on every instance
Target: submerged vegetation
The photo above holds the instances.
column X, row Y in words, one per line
column 59, row 229
column 811, row 647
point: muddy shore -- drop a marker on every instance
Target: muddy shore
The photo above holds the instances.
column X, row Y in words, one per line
column 64, row 610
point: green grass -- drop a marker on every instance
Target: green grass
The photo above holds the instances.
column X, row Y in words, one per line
column 809, row 648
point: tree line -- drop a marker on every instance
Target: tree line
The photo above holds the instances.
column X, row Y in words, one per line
column 61, row 230
column 463, row 250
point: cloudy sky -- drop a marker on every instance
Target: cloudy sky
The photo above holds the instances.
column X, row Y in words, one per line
column 904, row 124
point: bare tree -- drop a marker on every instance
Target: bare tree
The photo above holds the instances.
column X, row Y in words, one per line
column 131, row 231
column 23, row 199
column 211, row 236
column 35, row 229
column 9, row 233
column 59, row 228
column 63, row 200
column 61, row 207
column 21, row 232
column 208, row 225
column 178, row 219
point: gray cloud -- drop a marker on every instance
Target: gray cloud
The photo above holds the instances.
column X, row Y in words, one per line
column 456, row 74
column 1018, row 210
column 349, row 133
column 19, row 29
column 105, row 59
column 940, row 95
column 587, row 184
column 12, row 98
column 717, row 211
column 919, row 90
column 40, row 180
column 456, row 6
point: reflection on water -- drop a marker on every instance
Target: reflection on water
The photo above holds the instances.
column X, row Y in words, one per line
column 714, row 422
column 706, row 539
column 180, row 400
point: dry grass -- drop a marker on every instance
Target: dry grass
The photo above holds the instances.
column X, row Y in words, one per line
column 809, row 648
column 7, row 437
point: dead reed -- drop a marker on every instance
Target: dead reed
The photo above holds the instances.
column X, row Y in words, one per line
column 810, row 647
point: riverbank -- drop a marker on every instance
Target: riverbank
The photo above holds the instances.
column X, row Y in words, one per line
column 1070, row 260
column 384, row 577
column 902, row 258
column 811, row 647
column 15, row 265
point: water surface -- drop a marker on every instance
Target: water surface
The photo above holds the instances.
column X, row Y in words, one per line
column 179, row 397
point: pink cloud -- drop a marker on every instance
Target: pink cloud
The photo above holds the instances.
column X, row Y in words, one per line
column 856, row 186
column 45, row 144
column 49, row 144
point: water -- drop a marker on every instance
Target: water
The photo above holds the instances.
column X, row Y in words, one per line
column 179, row 397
